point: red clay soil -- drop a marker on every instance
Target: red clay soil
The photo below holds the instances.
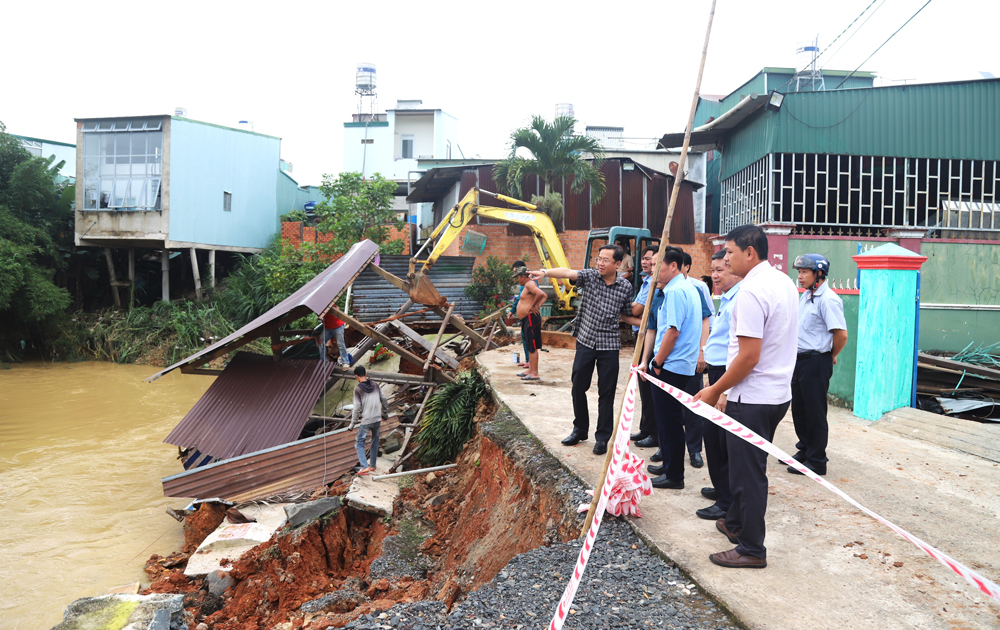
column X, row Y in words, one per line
column 205, row 520
column 493, row 513
column 487, row 512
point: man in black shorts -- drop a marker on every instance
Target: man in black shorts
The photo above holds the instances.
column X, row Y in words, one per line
column 528, row 308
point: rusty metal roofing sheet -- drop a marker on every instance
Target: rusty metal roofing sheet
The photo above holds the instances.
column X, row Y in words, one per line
column 255, row 403
column 316, row 296
column 302, row 465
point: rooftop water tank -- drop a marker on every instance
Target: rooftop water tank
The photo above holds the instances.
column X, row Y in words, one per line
column 364, row 81
column 180, row 111
column 564, row 109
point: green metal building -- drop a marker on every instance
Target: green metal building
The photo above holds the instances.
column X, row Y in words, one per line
column 839, row 171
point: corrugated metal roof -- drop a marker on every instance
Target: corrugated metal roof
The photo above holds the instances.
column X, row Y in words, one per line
column 255, row 403
column 315, row 296
column 302, row 465
column 956, row 120
column 375, row 299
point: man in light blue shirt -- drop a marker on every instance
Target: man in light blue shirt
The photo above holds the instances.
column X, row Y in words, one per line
column 716, row 353
column 677, row 337
column 646, row 437
column 822, row 335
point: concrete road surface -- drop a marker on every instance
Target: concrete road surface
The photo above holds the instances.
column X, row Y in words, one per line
column 829, row 565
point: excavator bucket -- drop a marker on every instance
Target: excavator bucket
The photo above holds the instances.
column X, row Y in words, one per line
column 423, row 291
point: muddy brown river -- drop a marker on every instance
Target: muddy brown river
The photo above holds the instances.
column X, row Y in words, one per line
column 81, row 458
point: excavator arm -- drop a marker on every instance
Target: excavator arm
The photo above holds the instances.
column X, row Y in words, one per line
column 547, row 243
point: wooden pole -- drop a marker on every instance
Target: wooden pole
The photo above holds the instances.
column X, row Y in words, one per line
column 664, row 239
column 409, row 431
column 437, row 341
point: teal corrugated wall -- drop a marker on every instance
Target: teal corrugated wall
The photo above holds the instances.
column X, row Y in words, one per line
column 945, row 120
column 206, row 160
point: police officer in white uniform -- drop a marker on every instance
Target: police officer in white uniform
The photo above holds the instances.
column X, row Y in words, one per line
column 822, row 335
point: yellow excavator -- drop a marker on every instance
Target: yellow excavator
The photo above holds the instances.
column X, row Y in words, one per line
column 542, row 231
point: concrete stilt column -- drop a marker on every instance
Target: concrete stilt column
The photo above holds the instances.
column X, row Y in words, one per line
column 114, row 279
column 196, row 274
column 165, row 267
column 211, row 267
column 887, row 322
column 131, row 277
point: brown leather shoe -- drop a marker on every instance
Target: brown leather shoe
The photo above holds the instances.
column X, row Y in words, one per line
column 732, row 560
column 721, row 526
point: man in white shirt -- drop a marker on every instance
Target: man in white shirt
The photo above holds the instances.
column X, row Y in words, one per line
column 758, row 379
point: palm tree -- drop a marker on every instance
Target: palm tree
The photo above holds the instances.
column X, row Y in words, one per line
column 555, row 154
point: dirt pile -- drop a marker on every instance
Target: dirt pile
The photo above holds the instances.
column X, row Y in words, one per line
column 451, row 532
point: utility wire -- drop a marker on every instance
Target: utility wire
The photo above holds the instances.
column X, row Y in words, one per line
column 883, row 44
column 828, row 46
column 861, row 26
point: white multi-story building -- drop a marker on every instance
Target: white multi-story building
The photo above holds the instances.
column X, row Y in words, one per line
column 391, row 143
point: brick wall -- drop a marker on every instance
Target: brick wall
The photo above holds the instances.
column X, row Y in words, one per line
column 574, row 243
column 294, row 233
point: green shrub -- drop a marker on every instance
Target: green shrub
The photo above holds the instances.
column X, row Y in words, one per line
column 448, row 422
column 492, row 285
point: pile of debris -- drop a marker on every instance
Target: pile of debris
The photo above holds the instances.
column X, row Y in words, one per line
column 966, row 385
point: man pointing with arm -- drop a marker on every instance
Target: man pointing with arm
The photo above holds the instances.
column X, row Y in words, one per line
column 605, row 299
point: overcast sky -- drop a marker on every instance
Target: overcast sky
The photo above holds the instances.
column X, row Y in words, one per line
column 290, row 67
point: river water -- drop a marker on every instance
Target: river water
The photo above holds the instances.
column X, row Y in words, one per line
column 81, row 458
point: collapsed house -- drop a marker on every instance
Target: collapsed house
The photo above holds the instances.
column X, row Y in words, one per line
column 244, row 439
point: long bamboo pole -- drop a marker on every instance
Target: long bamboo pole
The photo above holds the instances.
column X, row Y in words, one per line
column 664, row 240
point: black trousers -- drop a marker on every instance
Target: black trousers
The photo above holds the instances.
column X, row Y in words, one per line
column 716, row 452
column 694, row 425
column 670, row 423
column 647, row 423
column 748, row 475
column 584, row 362
column 810, row 383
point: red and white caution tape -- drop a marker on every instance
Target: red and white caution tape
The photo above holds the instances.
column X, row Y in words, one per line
column 619, row 455
column 715, row 416
column 629, row 486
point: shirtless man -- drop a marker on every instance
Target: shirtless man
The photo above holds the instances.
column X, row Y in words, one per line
column 528, row 308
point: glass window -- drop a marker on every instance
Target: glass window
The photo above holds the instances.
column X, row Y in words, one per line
column 153, row 124
column 155, row 144
column 105, row 194
column 91, row 166
column 407, row 147
column 90, row 194
column 122, row 164
column 90, row 126
column 138, row 143
column 138, row 166
column 91, row 144
column 227, row 201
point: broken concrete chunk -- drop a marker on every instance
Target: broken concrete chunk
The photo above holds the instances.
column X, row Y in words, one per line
column 217, row 582
column 342, row 601
column 393, row 441
column 437, row 499
column 300, row 513
column 158, row 612
column 430, row 478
